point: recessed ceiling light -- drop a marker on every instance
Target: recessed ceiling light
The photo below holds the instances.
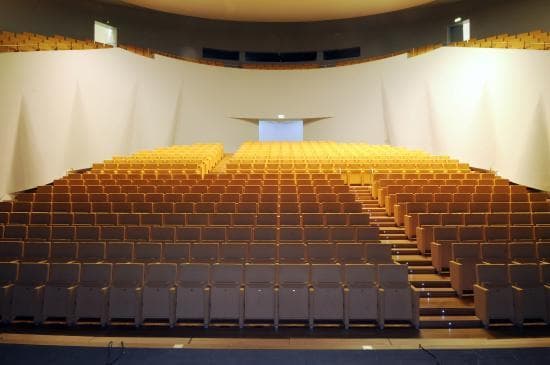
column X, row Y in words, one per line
column 281, row 116
column 458, row 20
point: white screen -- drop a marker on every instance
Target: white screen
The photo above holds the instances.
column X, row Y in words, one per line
column 288, row 130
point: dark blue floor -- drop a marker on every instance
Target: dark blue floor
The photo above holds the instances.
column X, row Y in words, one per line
column 22, row 354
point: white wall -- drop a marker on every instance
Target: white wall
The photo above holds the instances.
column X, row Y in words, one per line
column 67, row 109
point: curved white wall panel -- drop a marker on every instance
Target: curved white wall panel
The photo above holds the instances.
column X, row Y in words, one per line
column 67, row 109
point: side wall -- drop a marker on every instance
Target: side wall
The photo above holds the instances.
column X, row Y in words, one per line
column 67, row 109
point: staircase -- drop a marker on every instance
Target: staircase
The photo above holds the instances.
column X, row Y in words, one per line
column 440, row 307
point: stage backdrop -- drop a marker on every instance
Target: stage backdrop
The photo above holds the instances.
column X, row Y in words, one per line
column 66, row 109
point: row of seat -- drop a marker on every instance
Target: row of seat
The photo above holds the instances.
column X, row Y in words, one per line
column 394, row 194
column 345, row 164
column 182, row 219
column 182, row 207
column 465, row 257
column 519, row 252
column 181, row 189
column 26, row 42
column 445, row 186
column 405, row 203
column 195, row 197
column 204, row 293
column 210, row 177
column 512, row 292
column 379, row 176
column 414, row 220
column 166, row 165
column 201, row 182
column 381, row 180
column 426, row 235
column 192, row 233
column 89, row 251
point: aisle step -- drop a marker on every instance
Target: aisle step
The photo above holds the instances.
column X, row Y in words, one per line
column 421, row 269
column 447, row 307
column 413, row 260
column 449, row 322
column 436, row 292
column 404, row 251
column 429, row 281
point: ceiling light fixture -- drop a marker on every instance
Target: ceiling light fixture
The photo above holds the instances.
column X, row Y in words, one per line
column 458, row 20
column 281, row 116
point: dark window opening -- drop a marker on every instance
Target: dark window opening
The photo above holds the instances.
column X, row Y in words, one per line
column 280, row 57
column 220, row 54
column 337, row 54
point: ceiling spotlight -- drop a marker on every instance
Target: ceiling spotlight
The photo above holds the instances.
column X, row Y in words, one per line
column 458, row 20
column 281, row 116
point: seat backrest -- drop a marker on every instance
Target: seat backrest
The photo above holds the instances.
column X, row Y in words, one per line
column 393, row 275
column 522, row 250
column 91, row 251
column 64, row 274
column 293, row 274
column 524, row 275
column 33, row 273
column 292, row 252
column 63, row 251
column 161, row 274
column 452, row 219
column 545, row 272
column 128, row 275
column 36, row 250
column 119, row 251
column 494, row 251
column 264, row 274
column 176, row 252
column 465, row 251
column 445, row 233
column 96, row 274
column 11, row 250
column 377, row 253
column 543, row 251
column 266, row 252
column 322, row 274
column 360, row 274
column 491, row 274
column 227, row 274
column 150, row 252
column 194, row 274
column 8, row 272
column 429, row 219
column 470, row 233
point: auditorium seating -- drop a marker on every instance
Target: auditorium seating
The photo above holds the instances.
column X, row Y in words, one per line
column 529, row 296
column 462, row 267
column 25, row 42
column 534, row 40
column 159, row 292
column 92, row 293
column 8, row 277
column 326, row 293
column 60, row 291
column 397, row 299
column 360, row 293
column 493, row 294
column 280, row 237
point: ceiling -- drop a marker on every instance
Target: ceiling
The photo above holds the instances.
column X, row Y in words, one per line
column 277, row 10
